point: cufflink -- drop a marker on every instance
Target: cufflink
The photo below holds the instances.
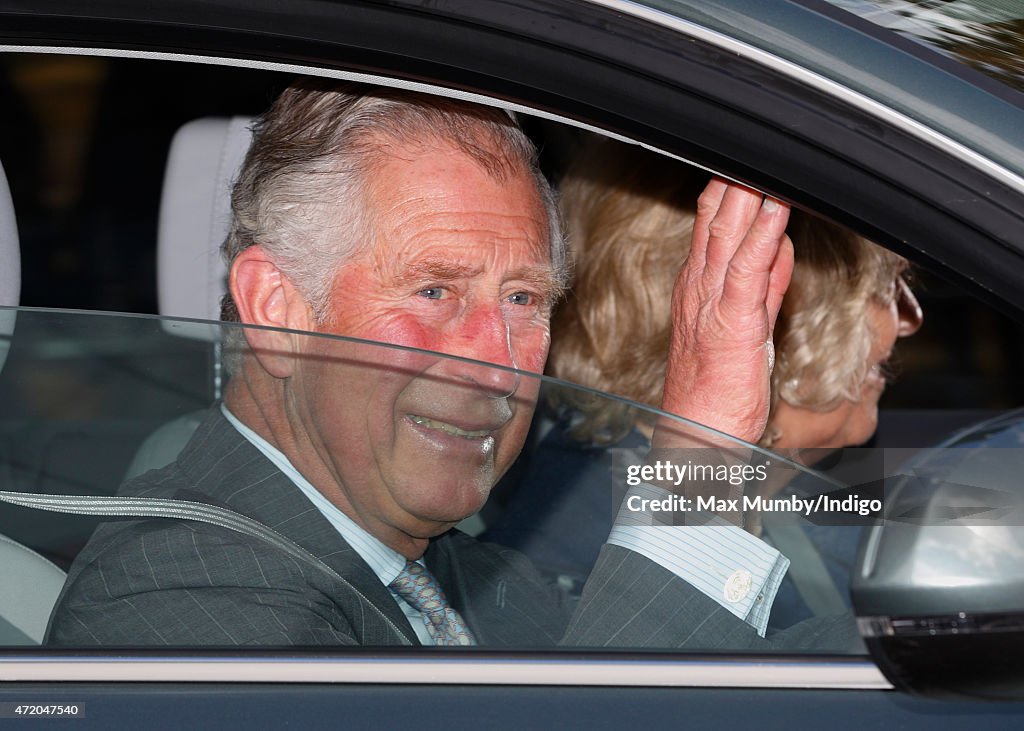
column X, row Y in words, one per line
column 738, row 585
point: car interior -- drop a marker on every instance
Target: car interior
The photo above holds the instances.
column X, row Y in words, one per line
column 945, row 385
column 23, row 613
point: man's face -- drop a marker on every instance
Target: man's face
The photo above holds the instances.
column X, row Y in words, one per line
column 460, row 264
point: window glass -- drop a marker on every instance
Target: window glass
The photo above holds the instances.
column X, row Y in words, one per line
column 560, row 540
column 97, row 399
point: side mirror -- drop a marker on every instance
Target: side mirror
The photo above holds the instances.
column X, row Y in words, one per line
column 938, row 586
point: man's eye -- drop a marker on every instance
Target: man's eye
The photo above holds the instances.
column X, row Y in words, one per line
column 432, row 293
column 520, row 298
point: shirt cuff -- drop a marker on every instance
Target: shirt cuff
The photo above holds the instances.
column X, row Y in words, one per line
column 739, row 571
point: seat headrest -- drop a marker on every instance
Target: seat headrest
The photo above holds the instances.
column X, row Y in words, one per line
column 195, row 215
column 10, row 266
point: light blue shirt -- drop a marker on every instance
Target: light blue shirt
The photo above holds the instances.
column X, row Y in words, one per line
column 385, row 562
column 739, row 571
column 736, row 569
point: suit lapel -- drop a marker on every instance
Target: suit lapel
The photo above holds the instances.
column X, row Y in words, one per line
column 499, row 596
column 229, row 471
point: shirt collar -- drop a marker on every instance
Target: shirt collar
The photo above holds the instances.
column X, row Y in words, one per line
column 385, row 562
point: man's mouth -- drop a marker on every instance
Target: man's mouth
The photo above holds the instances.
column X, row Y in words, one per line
column 447, row 428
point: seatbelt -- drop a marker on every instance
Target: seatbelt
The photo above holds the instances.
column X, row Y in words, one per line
column 146, row 507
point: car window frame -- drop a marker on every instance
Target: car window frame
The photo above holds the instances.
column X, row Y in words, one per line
column 739, row 161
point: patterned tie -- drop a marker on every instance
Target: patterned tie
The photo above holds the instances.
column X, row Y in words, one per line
column 417, row 586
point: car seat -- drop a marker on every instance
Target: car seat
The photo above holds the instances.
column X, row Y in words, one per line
column 10, row 270
column 195, row 214
column 29, row 584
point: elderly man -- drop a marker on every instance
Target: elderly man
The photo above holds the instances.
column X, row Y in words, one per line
column 388, row 216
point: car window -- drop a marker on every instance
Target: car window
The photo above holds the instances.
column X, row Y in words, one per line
column 88, row 233
column 94, row 401
column 100, row 405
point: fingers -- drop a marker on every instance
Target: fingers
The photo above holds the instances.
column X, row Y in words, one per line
column 728, row 229
column 707, row 208
column 747, row 277
column 778, row 280
column 735, row 227
column 760, row 248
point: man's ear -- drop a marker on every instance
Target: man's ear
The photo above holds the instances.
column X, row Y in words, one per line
column 265, row 296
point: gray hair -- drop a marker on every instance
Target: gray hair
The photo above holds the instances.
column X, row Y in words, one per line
column 315, row 147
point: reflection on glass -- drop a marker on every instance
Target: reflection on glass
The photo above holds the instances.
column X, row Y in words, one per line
column 988, row 36
column 234, row 526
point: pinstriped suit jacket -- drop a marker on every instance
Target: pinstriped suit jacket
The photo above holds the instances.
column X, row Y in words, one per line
column 182, row 583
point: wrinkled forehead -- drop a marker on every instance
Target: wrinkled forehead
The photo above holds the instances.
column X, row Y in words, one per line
column 438, row 175
column 499, row 157
column 428, row 203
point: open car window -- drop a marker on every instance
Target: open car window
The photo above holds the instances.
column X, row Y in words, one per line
column 94, row 402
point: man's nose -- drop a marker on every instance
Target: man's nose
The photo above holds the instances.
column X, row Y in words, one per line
column 487, row 337
column 909, row 310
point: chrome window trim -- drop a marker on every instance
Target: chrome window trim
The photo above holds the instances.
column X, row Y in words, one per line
column 677, row 673
column 312, row 71
column 821, row 83
column 856, row 99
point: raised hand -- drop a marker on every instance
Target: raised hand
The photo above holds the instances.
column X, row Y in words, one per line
column 724, row 306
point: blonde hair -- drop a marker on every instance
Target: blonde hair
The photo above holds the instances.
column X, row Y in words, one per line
column 629, row 215
column 823, row 336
